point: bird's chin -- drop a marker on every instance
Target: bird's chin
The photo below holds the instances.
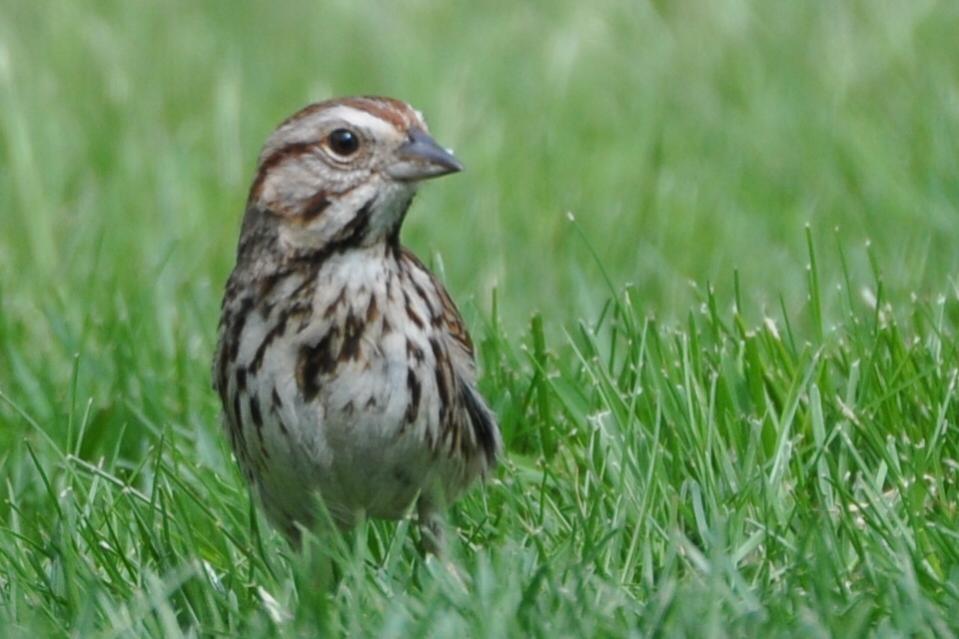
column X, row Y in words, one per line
column 393, row 204
column 394, row 193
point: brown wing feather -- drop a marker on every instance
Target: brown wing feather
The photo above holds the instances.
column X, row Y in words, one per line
column 460, row 348
column 451, row 319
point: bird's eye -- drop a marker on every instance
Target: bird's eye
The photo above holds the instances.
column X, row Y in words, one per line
column 343, row 142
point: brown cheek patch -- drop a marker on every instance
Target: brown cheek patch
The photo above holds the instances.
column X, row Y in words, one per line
column 281, row 155
column 313, row 207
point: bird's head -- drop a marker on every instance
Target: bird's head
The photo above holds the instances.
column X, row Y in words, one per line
column 343, row 172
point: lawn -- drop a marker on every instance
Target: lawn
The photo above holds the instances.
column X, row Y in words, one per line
column 709, row 252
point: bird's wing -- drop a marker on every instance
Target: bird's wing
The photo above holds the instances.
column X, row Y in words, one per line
column 459, row 346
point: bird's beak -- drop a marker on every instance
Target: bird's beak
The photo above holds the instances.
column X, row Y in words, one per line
column 420, row 158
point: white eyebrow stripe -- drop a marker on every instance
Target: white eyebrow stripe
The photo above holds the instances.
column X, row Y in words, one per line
column 361, row 119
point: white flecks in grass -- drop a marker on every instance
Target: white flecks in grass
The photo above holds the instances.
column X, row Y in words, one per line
column 273, row 608
column 847, row 412
column 213, row 578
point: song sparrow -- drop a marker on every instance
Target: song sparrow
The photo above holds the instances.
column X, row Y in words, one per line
column 343, row 366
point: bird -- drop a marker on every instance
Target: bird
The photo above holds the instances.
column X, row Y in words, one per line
column 346, row 373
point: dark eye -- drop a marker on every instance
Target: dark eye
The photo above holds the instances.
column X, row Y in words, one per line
column 344, row 142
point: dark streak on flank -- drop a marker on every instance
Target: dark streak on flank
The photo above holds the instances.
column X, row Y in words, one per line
column 483, row 426
column 328, row 313
column 237, row 427
column 412, row 314
column 441, row 366
column 449, row 318
column 258, row 422
column 352, row 334
column 426, row 300
column 301, row 311
column 306, row 288
column 255, row 412
column 265, row 285
column 372, row 310
column 237, row 322
column 415, row 389
column 275, row 405
column 413, row 351
column 240, row 379
column 313, row 361
column 278, row 329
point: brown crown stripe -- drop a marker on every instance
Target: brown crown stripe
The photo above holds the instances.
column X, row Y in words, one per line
column 393, row 111
column 396, row 112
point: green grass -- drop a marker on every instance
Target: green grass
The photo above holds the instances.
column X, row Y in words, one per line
column 727, row 388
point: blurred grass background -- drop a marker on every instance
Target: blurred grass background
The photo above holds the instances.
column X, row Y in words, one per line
column 690, row 140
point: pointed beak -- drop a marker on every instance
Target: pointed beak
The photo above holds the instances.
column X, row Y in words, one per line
column 421, row 158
